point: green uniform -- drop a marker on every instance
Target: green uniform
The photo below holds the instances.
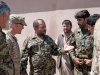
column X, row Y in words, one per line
column 40, row 53
column 6, row 64
column 82, row 40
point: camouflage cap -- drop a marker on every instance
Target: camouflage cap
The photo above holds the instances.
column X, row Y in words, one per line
column 18, row 20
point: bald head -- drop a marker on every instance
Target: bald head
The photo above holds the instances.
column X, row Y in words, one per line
column 36, row 23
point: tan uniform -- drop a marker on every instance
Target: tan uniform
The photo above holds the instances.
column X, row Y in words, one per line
column 95, row 70
column 14, row 51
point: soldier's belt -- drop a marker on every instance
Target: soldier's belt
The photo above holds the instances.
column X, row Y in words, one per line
column 82, row 56
column 83, row 67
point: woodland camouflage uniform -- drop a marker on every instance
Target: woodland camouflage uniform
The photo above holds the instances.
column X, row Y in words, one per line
column 40, row 53
column 6, row 64
column 82, row 40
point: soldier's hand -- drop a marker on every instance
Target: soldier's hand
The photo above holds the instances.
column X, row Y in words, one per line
column 88, row 62
column 77, row 61
column 68, row 48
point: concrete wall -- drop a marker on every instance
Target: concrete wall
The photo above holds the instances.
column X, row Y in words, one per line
column 52, row 11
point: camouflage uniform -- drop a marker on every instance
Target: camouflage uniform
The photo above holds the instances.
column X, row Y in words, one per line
column 95, row 70
column 14, row 51
column 40, row 53
column 82, row 40
column 6, row 64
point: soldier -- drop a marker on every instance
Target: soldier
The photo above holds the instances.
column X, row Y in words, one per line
column 82, row 41
column 17, row 23
column 94, row 28
column 91, row 22
column 40, row 48
column 6, row 64
column 64, row 63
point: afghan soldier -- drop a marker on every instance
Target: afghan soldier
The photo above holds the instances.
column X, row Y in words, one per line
column 6, row 63
column 40, row 48
column 82, row 40
column 17, row 23
column 64, row 63
column 94, row 28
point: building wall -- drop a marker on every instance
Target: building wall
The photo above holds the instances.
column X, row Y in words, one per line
column 52, row 11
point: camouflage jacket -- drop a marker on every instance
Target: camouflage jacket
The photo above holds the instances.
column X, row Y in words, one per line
column 14, row 51
column 95, row 70
column 40, row 53
column 83, row 42
column 6, row 64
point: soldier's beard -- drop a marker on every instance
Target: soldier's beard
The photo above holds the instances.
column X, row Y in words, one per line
column 6, row 27
column 67, row 31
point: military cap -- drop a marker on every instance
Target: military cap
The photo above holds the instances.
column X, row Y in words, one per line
column 18, row 20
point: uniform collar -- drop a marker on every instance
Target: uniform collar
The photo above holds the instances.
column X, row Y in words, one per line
column 63, row 35
column 34, row 36
column 12, row 35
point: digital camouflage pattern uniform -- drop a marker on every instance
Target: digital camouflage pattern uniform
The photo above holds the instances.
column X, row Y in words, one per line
column 40, row 53
column 82, row 40
column 13, row 44
column 14, row 51
column 6, row 64
column 95, row 70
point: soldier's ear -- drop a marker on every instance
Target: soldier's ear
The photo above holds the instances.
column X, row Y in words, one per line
column 4, row 16
column 71, row 26
column 86, row 20
column 16, row 25
column 35, row 28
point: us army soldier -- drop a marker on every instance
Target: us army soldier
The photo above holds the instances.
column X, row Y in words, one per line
column 17, row 23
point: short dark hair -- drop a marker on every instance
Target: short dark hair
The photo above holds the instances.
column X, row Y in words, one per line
column 35, row 23
column 67, row 22
column 82, row 14
column 92, row 19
